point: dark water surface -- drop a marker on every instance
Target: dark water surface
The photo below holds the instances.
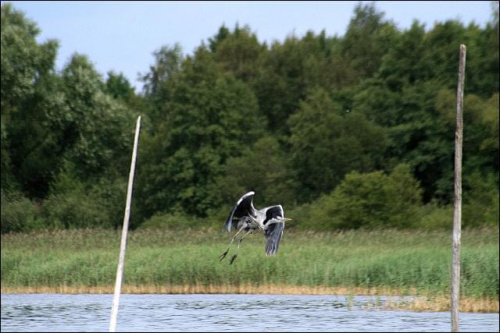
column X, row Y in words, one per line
column 219, row 313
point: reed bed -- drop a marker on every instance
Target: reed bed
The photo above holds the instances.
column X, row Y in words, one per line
column 185, row 261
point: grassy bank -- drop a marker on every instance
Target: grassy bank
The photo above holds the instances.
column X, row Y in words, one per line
column 355, row 262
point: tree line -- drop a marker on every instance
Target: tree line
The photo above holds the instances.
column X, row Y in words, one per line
column 353, row 131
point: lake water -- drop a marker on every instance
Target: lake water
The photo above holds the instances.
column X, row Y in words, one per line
column 219, row 313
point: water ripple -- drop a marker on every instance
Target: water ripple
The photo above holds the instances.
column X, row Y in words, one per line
column 224, row 313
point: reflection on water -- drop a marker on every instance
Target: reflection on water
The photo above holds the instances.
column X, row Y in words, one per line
column 216, row 313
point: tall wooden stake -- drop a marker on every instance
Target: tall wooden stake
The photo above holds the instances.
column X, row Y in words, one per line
column 457, row 212
column 121, row 260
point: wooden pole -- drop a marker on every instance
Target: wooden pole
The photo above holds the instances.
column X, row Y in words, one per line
column 123, row 245
column 457, row 212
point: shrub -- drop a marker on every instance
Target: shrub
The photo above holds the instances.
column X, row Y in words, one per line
column 301, row 217
column 18, row 213
column 370, row 200
column 436, row 217
column 74, row 203
column 111, row 195
column 480, row 200
column 75, row 209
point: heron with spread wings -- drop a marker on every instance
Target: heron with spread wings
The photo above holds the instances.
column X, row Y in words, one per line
column 245, row 218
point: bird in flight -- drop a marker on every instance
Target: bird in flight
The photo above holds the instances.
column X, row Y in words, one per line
column 245, row 218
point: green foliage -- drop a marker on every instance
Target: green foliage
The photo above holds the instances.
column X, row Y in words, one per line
column 367, row 39
column 160, row 258
column 24, row 62
column 119, row 87
column 27, row 76
column 168, row 62
column 76, row 209
column 328, row 142
column 70, row 205
column 372, row 200
column 51, row 118
column 96, row 132
column 210, row 116
column 238, row 52
column 319, row 124
column 19, row 214
column 481, row 151
column 402, row 63
column 481, row 200
column 436, row 217
column 74, row 203
column 262, row 168
column 289, row 72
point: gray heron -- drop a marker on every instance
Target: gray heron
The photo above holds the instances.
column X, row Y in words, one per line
column 245, row 218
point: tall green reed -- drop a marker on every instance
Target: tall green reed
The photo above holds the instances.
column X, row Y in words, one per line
column 370, row 259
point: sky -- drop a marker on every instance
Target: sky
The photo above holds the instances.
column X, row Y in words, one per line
column 122, row 35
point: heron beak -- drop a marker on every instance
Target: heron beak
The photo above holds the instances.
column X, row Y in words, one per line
column 287, row 219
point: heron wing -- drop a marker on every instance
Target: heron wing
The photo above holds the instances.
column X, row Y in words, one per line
column 244, row 207
column 275, row 230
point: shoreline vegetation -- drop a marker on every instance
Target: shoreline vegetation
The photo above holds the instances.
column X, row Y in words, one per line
column 394, row 299
column 390, row 263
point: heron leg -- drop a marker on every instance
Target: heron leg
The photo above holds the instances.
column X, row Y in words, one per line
column 223, row 255
column 239, row 243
